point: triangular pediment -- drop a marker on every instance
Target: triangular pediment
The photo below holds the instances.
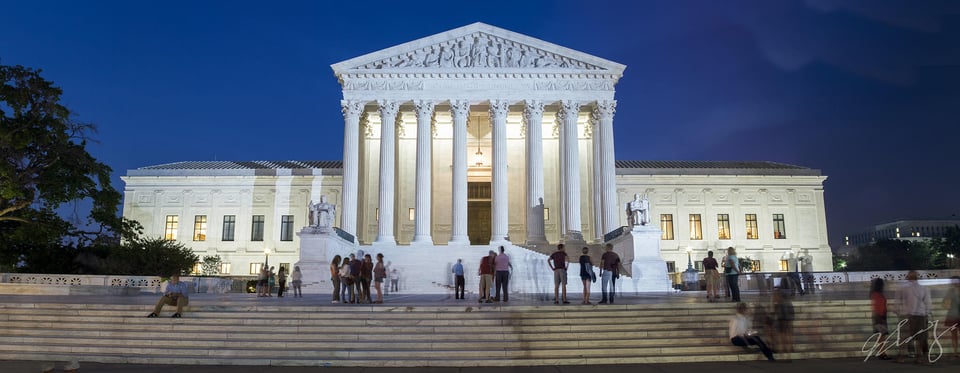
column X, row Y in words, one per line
column 477, row 47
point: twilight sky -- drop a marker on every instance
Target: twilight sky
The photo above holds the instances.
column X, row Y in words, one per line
column 868, row 91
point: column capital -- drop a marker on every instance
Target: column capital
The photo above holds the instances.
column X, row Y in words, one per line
column 460, row 108
column 499, row 108
column 532, row 108
column 424, row 108
column 351, row 108
column 569, row 109
column 388, row 108
column 605, row 109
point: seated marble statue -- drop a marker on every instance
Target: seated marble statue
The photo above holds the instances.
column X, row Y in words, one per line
column 638, row 211
column 323, row 213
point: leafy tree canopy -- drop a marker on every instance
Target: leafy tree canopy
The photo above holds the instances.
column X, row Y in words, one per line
column 43, row 165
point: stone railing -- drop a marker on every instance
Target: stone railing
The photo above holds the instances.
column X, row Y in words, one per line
column 143, row 283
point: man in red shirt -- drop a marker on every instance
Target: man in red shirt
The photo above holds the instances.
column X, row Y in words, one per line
column 558, row 264
column 486, row 276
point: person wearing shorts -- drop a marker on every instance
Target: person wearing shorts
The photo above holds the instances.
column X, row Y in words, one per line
column 558, row 264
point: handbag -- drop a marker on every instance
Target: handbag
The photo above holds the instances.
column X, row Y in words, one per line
column 593, row 276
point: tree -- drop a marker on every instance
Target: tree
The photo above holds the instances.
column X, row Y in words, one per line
column 210, row 266
column 894, row 255
column 44, row 164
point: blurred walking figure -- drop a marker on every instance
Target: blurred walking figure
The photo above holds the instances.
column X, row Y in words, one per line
column 783, row 315
column 878, row 308
column 741, row 335
column 379, row 273
column 952, row 303
column 915, row 306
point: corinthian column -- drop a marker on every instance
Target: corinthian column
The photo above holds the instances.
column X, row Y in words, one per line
column 424, row 189
column 388, row 118
column 459, row 110
column 569, row 110
column 611, row 207
column 351, row 154
column 597, row 176
column 533, row 118
column 498, row 120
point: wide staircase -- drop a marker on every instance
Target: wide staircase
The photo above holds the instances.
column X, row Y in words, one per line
column 443, row 334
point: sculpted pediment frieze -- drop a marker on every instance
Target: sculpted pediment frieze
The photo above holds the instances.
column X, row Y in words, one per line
column 478, row 50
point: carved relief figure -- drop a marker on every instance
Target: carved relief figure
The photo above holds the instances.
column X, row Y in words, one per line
column 463, row 54
column 476, row 53
column 446, row 56
column 432, row 59
column 493, row 54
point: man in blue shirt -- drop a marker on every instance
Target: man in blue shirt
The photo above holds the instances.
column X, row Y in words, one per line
column 177, row 294
column 459, row 280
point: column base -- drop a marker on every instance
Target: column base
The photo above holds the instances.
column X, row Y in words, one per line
column 384, row 242
column 501, row 242
column 459, row 241
column 422, row 241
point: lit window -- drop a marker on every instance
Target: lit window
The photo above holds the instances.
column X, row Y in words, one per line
column 666, row 226
column 170, row 228
column 723, row 222
column 255, row 268
column 784, row 265
column 197, row 268
column 753, row 232
column 779, row 229
column 200, row 228
column 696, row 233
column 412, row 214
column 546, row 213
column 225, row 268
column 756, row 266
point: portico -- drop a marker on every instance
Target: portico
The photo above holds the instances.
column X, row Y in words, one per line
column 536, row 112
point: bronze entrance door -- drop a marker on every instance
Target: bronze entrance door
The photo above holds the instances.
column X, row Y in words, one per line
column 478, row 213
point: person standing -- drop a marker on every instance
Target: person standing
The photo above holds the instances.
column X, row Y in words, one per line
column 262, row 281
column 459, row 282
column 379, row 273
column 271, row 281
column 486, row 276
column 609, row 273
column 366, row 275
column 355, row 264
column 335, row 278
column 586, row 274
column 281, row 281
column 558, row 264
column 739, row 329
column 347, row 292
column 915, row 305
column 710, row 266
column 176, row 294
column 502, row 266
column 733, row 275
column 296, row 280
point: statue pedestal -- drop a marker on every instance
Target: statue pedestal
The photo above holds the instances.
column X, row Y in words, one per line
column 648, row 271
column 317, row 247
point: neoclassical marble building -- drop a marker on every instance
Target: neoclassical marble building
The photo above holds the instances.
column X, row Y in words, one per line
column 480, row 136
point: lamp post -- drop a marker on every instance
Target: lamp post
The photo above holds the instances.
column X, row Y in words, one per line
column 690, row 275
column 950, row 258
column 266, row 260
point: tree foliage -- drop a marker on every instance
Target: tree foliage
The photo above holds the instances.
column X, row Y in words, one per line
column 44, row 164
column 898, row 255
column 210, row 266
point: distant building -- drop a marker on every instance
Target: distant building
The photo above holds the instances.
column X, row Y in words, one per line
column 912, row 230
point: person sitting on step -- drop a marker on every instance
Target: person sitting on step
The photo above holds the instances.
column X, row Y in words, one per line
column 740, row 334
column 175, row 295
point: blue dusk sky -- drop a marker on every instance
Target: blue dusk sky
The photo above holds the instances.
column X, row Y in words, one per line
column 867, row 91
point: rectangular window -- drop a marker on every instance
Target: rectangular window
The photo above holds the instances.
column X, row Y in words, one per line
column 197, row 268
column 229, row 224
column 671, row 267
column 412, row 214
column 225, row 268
column 546, row 213
column 723, row 224
column 698, row 265
column 256, row 231
column 755, row 266
column 255, row 268
column 779, row 229
column 752, row 232
column 784, row 265
column 286, row 228
column 170, row 228
column 696, row 233
column 666, row 226
column 200, row 228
